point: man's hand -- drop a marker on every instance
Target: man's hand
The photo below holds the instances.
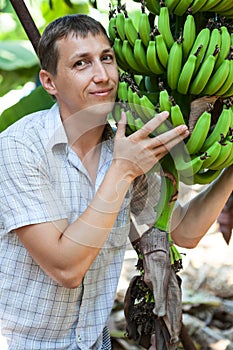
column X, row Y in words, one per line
column 139, row 152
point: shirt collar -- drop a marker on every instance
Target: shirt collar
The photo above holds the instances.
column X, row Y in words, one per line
column 54, row 126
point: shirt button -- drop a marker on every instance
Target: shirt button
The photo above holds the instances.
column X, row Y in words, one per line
column 79, row 339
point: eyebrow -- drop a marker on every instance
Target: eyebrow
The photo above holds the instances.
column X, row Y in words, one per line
column 87, row 54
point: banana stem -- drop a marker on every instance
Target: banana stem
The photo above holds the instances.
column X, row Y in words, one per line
column 168, row 195
column 165, row 207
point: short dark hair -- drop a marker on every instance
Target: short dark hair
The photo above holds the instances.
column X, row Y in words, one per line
column 77, row 24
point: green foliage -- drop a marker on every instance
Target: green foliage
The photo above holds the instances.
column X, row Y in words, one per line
column 39, row 99
column 18, row 61
column 18, row 64
column 62, row 7
column 16, row 54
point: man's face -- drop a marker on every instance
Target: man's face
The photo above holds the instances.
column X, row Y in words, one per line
column 87, row 74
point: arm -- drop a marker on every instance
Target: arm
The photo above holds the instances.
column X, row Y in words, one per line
column 191, row 222
column 65, row 251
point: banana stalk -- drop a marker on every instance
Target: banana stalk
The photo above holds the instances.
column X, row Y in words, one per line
column 165, row 206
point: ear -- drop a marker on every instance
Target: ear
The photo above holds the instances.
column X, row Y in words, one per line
column 47, row 82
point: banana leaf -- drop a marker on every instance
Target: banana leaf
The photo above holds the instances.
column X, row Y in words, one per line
column 37, row 100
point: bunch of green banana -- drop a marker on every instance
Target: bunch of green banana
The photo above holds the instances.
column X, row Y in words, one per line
column 222, row 7
column 208, row 150
column 207, row 69
column 179, row 8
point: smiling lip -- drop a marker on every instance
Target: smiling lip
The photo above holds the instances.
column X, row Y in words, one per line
column 103, row 92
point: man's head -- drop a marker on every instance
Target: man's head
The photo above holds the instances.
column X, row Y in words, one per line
column 78, row 65
column 79, row 25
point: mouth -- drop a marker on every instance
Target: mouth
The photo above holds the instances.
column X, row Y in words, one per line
column 101, row 92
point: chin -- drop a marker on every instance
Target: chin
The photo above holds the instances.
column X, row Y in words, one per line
column 101, row 108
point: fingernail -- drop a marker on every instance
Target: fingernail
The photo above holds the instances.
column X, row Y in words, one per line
column 183, row 128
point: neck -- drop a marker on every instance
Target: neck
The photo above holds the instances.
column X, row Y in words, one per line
column 84, row 131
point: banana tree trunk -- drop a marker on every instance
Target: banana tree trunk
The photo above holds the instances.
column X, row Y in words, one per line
column 27, row 22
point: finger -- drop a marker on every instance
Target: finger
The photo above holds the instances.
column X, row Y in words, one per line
column 176, row 135
column 121, row 125
column 166, row 146
column 151, row 125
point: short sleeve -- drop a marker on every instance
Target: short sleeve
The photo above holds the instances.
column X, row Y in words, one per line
column 146, row 192
column 26, row 192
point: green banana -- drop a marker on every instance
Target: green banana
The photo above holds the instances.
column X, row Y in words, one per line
column 220, row 130
column 182, row 7
column 214, row 41
column 224, row 46
column 211, row 155
column 140, row 56
column 131, row 32
column 176, row 115
column 189, row 168
column 130, row 98
column 171, row 4
column 174, row 64
column 136, row 105
column 229, row 92
column 112, row 26
column 138, row 123
column 153, row 6
column 122, row 92
column 202, row 177
column 120, row 24
column 164, row 26
column 228, row 83
column 226, row 149
column 187, row 72
column 189, row 35
column 228, row 161
column 130, row 120
column 217, row 80
column 199, row 133
column 206, row 177
column 203, row 75
column 164, row 101
column 231, row 123
column 228, row 13
column 209, row 5
column 161, row 49
column 202, row 38
column 222, row 6
column 152, row 59
column 116, row 112
column 197, row 5
column 144, row 26
column 147, row 107
column 128, row 56
column 117, row 47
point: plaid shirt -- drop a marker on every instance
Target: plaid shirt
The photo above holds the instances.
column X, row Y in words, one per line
column 43, row 180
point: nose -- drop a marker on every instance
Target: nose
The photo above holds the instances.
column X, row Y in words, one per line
column 100, row 73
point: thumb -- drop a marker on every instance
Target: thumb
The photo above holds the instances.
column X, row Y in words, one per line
column 121, row 125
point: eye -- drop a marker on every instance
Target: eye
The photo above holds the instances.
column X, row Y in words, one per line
column 108, row 58
column 81, row 63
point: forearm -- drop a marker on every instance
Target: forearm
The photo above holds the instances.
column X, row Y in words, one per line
column 82, row 240
column 91, row 229
column 191, row 222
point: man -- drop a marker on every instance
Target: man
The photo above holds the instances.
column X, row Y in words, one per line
column 66, row 192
